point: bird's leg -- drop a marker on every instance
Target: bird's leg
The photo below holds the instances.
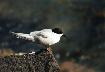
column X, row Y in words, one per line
column 49, row 49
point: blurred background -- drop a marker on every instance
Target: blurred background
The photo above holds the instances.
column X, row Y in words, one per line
column 83, row 21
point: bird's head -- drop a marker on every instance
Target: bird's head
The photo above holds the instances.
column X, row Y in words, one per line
column 59, row 31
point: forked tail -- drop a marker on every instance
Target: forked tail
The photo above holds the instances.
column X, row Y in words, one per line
column 23, row 36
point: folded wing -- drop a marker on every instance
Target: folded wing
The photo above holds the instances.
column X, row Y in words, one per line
column 43, row 33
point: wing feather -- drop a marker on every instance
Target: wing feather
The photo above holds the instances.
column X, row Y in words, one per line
column 24, row 36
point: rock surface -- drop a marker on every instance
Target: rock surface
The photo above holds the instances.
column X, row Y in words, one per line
column 41, row 61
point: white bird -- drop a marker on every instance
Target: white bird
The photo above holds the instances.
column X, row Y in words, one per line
column 46, row 37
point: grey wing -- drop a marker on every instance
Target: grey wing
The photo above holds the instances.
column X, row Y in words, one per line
column 38, row 34
column 34, row 33
column 43, row 33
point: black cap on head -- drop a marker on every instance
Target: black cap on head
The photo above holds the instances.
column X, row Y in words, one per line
column 57, row 30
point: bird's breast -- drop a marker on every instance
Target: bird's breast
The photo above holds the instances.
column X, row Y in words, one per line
column 49, row 40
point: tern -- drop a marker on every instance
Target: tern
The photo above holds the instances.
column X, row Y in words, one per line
column 45, row 37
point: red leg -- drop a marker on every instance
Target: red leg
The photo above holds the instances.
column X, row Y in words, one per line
column 49, row 50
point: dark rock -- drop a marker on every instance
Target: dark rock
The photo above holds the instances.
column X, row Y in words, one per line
column 38, row 62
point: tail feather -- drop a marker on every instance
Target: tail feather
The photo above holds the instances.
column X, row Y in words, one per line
column 24, row 36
